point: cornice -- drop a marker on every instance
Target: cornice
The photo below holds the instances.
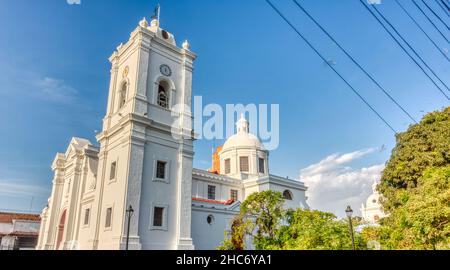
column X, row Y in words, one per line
column 207, row 176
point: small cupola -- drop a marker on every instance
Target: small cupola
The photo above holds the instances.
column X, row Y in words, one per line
column 242, row 125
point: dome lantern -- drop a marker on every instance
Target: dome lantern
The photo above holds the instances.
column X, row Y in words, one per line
column 242, row 125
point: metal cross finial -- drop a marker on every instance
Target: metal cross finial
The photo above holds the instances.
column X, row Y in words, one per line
column 157, row 13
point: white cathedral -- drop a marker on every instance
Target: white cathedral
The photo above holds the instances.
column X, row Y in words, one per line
column 139, row 163
column 372, row 211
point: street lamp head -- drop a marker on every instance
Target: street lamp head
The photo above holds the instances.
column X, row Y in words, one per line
column 130, row 209
column 349, row 211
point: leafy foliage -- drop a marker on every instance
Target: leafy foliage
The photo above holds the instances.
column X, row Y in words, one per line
column 424, row 145
column 416, row 188
column 259, row 217
column 423, row 221
column 262, row 213
column 416, row 195
column 316, row 230
column 272, row 228
column 235, row 240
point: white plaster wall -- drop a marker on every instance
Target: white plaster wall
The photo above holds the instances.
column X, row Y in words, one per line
column 249, row 190
column 113, row 194
column 253, row 156
column 223, row 190
column 158, row 57
column 5, row 227
column 298, row 196
column 26, row 226
column 86, row 232
column 129, row 60
column 159, row 193
column 209, row 237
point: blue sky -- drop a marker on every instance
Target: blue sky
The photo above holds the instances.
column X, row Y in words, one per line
column 54, row 77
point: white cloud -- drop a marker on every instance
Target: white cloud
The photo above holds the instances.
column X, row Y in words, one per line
column 56, row 90
column 35, row 85
column 74, row 2
column 332, row 185
column 19, row 188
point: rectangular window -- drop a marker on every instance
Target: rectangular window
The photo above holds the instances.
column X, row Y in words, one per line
column 261, row 166
column 211, row 192
column 227, row 166
column 112, row 173
column 87, row 214
column 243, row 164
column 234, row 195
column 108, row 217
column 161, row 169
column 158, row 213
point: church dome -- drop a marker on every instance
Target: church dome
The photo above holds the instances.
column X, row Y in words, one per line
column 372, row 211
column 243, row 139
column 374, row 199
column 243, row 155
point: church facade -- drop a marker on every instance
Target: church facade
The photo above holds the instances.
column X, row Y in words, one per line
column 372, row 210
column 145, row 160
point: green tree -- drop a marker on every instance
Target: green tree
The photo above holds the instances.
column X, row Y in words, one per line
column 423, row 221
column 259, row 217
column 422, row 146
column 426, row 214
column 262, row 212
column 316, row 230
column 416, row 190
column 272, row 228
column 235, row 239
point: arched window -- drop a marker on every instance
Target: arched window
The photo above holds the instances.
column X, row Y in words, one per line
column 163, row 95
column 123, row 95
column 287, row 195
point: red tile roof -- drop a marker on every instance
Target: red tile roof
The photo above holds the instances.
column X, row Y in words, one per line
column 9, row 217
column 229, row 202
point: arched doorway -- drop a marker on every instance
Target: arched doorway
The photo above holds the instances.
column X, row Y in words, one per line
column 61, row 224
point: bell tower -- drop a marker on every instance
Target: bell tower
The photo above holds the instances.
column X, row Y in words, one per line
column 146, row 145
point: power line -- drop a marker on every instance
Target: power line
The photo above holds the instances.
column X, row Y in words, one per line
column 440, row 4
column 331, row 66
column 434, row 13
column 412, row 49
column 403, row 48
column 423, row 31
column 428, row 18
column 446, row 6
column 355, row 62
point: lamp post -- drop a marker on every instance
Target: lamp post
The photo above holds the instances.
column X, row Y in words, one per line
column 349, row 213
column 129, row 213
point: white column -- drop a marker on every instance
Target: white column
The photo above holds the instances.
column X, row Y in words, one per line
column 54, row 207
column 133, row 194
column 185, row 197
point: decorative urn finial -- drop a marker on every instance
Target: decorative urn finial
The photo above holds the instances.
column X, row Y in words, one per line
column 186, row 45
column 143, row 23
